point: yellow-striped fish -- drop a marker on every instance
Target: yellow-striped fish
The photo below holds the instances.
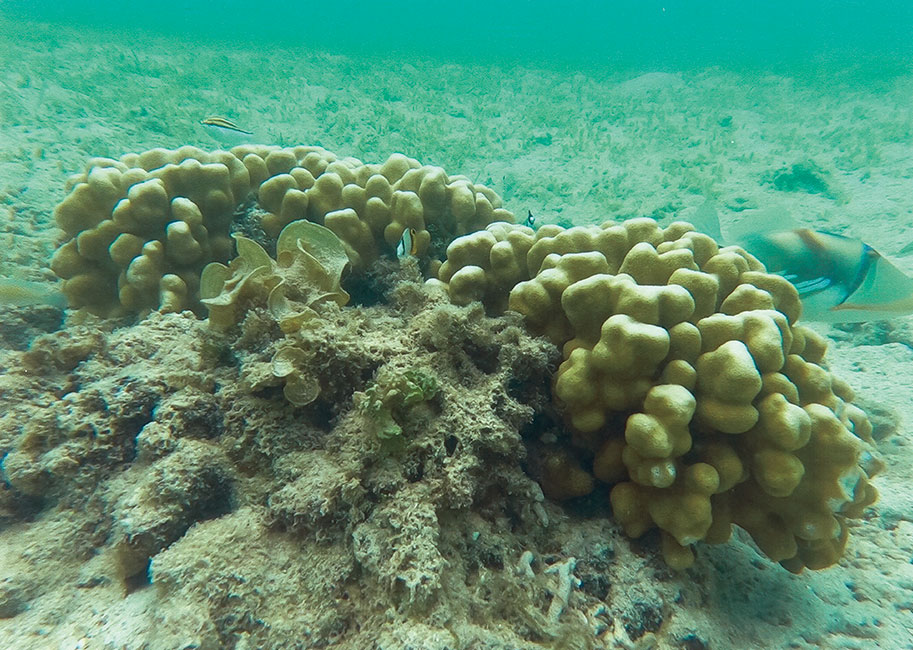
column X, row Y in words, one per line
column 226, row 131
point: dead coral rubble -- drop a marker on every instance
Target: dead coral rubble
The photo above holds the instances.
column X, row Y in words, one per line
column 176, row 443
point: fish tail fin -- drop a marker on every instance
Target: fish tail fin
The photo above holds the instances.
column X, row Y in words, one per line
column 885, row 288
column 706, row 220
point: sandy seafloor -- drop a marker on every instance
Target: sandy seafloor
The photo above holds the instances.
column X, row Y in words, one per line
column 573, row 148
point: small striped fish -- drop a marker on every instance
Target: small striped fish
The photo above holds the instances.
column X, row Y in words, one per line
column 225, row 131
column 22, row 293
column 407, row 246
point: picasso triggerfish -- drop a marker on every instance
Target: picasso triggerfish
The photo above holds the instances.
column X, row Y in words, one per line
column 840, row 279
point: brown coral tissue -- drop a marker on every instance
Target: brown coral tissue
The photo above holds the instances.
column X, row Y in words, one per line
column 728, row 414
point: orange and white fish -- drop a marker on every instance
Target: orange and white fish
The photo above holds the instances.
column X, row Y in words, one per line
column 840, row 279
column 226, row 131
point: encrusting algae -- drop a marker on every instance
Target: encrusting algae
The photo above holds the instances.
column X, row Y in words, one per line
column 644, row 370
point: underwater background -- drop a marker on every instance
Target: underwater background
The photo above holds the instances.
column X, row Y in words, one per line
column 575, row 112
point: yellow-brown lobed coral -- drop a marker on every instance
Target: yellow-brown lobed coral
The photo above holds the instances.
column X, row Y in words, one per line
column 686, row 383
column 139, row 230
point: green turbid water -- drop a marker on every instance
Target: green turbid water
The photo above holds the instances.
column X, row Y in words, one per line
column 430, row 326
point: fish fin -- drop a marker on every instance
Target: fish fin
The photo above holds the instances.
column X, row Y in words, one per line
column 850, row 312
column 812, row 285
column 706, row 219
column 774, row 218
column 884, row 287
column 885, row 292
column 853, row 312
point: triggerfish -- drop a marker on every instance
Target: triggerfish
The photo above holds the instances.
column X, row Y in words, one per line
column 840, row 279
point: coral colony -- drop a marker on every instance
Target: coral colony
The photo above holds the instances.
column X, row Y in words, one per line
column 301, row 429
column 686, row 383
